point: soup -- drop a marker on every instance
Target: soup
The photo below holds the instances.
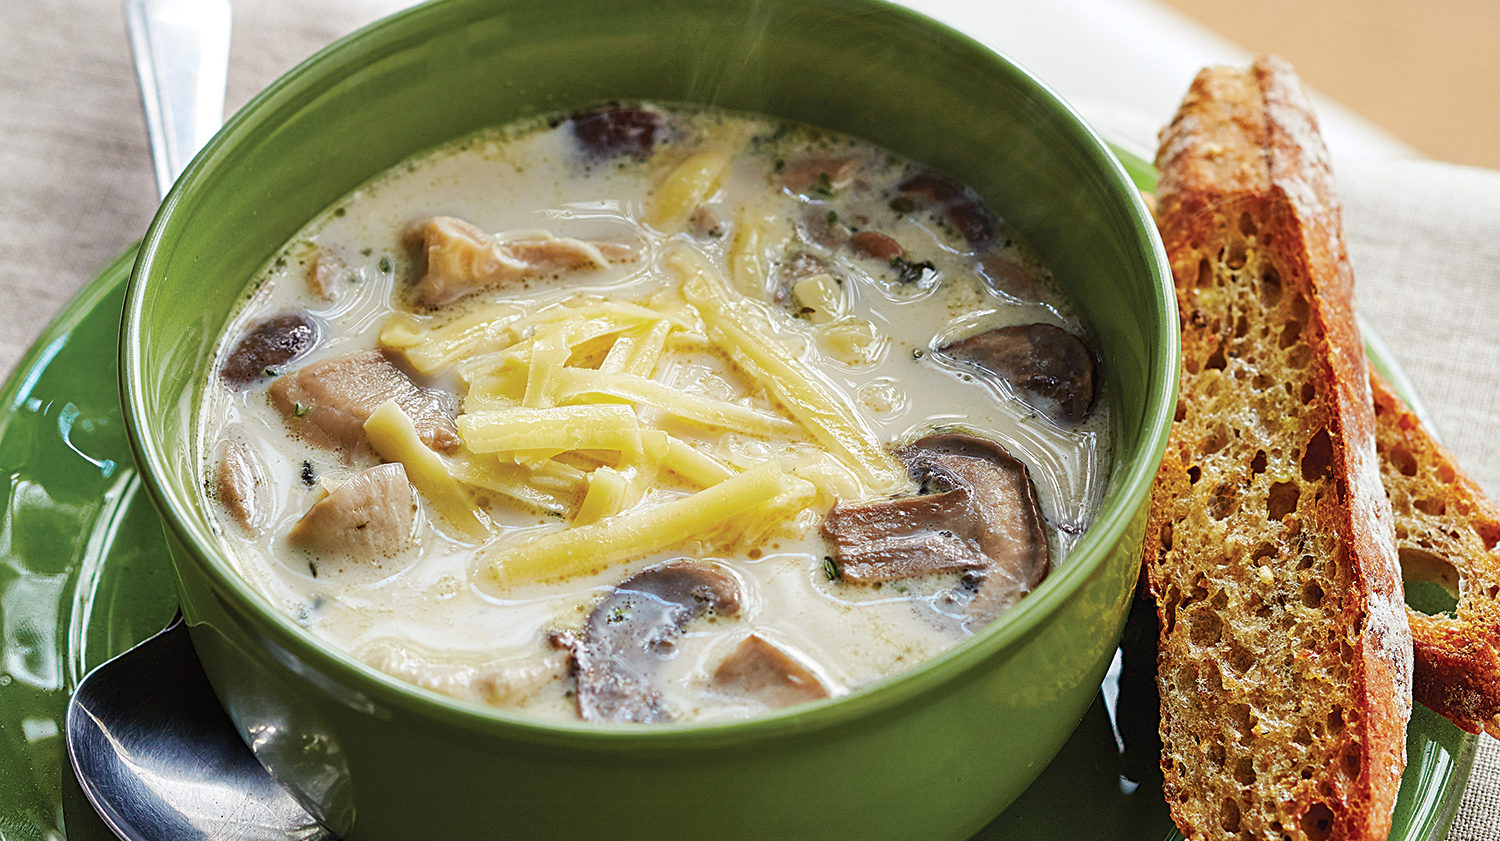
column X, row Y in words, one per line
column 643, row 414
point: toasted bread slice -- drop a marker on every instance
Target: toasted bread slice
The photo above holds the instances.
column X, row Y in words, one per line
column 1284, row 662
column 1447, row 531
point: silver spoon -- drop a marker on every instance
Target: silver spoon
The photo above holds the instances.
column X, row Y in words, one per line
column 160, row 761
column 154, row 752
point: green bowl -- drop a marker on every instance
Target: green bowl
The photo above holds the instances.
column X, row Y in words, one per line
column 933, row 753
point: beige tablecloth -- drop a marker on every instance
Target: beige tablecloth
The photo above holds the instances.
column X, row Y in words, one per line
column 76, row 189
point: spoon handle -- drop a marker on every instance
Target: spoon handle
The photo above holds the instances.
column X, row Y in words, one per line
column 181, row 51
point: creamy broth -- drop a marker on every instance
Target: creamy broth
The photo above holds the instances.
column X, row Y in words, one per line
column 435, row 612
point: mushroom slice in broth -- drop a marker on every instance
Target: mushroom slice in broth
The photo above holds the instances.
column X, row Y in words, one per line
column 631, row 632
column 760, row 671
column 266, row 346
column 1050, row 369
column 978, row 513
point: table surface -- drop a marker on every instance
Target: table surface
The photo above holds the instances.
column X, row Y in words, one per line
column 76, row 186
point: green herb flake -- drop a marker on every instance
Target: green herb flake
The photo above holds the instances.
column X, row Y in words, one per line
column 270, row 372
column 300, row 411
column 779, row 165
column 903, row 205
column 312, row 567
column 833, row 217
column 830, row 569
column 385, row 265
column 825, row 185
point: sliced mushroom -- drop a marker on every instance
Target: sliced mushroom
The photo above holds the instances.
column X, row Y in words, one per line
column 877, row 245
column 237, row 483
column 328, row 402
column 1049, row 368
column 631, row 632
column 372, row 515
column 821, row 227
column 1007, row 276
column 901, row 538
column 615, row 130
column 819, row 176
column 456, row 258
column 978, row 512
column 762, row 672
column 267, row 346
column 964, row 211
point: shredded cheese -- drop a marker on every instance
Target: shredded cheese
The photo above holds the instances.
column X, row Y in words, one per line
column 594, row 546
column 395, row 438
column 811, row 402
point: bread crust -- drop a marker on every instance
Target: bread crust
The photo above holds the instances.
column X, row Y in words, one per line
column 1448, row 531
column 1285, row 653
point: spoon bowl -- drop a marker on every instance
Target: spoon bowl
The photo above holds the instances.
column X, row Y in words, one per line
column 158, row 759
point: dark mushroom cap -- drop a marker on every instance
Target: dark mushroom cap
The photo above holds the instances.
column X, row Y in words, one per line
column 614, row 130
column 268, row 345
column 978, row 513
column 632, row 631
column 1001, row 492
column 965, row 212
column 1049, row 368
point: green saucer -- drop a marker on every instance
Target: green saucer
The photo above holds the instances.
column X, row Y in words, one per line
column 84, row 576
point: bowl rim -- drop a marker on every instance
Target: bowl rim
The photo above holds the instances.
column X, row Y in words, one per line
column 1130, row 486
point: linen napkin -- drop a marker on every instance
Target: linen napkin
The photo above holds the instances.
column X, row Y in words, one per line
column 76, row 190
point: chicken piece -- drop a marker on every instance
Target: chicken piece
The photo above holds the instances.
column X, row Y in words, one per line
column 762, row 672
column 237, row 481
column 373, row 515
column 325, row 272
column 328, row 402
column 456, row 258
column 506, row 683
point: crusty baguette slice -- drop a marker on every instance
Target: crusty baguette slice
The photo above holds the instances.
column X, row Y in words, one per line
column 1447, row 531
column 1284, row 662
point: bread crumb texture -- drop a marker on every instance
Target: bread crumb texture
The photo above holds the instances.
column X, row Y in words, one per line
column 1284, row 656
column 1447, row 532
column 1257, row 681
